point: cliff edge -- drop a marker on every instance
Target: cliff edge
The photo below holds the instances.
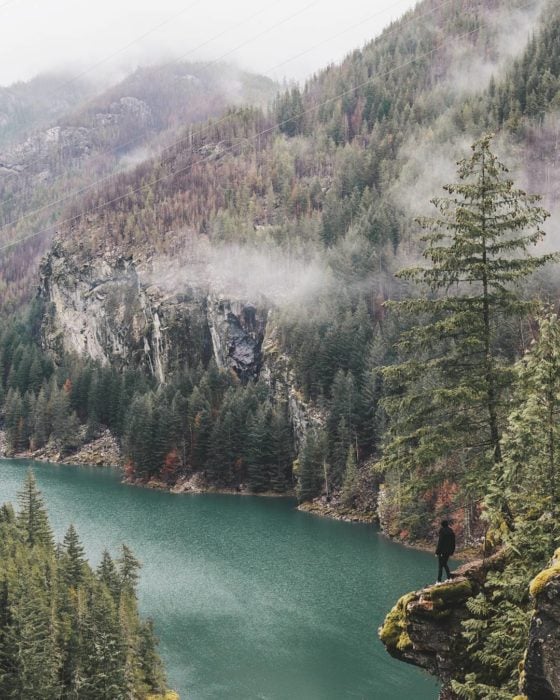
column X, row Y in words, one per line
column 424, row 628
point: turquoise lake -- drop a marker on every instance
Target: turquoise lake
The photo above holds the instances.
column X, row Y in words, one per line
column 252, row 600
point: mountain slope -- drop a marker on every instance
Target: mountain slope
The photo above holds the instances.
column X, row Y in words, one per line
column 89, row 139
column 322, row 186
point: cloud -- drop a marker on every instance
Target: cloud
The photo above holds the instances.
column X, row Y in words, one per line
column 239, row 272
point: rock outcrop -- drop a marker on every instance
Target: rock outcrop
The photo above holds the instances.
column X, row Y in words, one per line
column 103, row 308
column 424, row 627
column 541, row 677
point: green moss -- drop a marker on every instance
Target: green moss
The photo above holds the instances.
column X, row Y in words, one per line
column 449, row 594
column 539, row 582
column 393, row 633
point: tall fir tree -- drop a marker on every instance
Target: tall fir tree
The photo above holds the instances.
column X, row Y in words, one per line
column 446, row 394
column 32, row 517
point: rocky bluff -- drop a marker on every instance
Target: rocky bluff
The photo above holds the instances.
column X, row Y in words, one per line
column 101, row 308
column 107, row 307
column 424, row 628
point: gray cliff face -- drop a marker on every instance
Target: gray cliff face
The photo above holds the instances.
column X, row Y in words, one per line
column 100, row 308
column 278, row 373
column 107, row 308
column 237, row 331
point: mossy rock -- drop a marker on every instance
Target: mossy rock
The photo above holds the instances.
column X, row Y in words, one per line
column 450, row 594
column 539, row 582
column 541, row 579
column 168, row 695
column 393, row 633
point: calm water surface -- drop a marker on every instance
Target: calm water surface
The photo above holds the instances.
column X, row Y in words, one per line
column 252, row 600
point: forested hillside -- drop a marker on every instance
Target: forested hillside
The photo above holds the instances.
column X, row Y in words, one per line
column 271, row 302
column 328, row 180
column 82, row 135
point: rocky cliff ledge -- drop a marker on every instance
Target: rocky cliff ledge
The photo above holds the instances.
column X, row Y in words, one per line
column 108, row 309
column 541, row 680
column 424, row 627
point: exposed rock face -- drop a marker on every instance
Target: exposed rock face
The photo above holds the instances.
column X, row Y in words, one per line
column 279, row 375
column 424, row 627
column 237, row 330
column 542, row 661
column 101, row 308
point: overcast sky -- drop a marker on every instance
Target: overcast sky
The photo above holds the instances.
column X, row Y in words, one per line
column 118, row 35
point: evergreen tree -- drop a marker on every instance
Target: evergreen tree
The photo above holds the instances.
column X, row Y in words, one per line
column 104, row 648
column 108, row 575
column 531, row 444
column 74, row 558
column 312, row 466
column 447, row 393
column 41, row 419
column 65, row 632
column 128, row 567
column 350, row 489
column 32, row 517
column 497, row 630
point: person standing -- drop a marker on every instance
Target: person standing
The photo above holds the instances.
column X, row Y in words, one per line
column 445, row 548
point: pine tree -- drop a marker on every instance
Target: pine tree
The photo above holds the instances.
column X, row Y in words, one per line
column 259, row 452
column 447, row 393
column 74, row 559
column 32, row 516
column 128, row 569
column 531, row 444
column 350, row 489
column 108, row 575
column 41, row 419
column 30, row 642
column 311, row 476
column 104, row 649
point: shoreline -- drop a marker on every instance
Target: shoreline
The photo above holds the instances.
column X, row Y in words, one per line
column 104, row 447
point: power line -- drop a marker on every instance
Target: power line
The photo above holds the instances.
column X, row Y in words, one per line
column 368, row 18
column 127, row 46
column 255, row 137
column 204, row 129
column 137, row 140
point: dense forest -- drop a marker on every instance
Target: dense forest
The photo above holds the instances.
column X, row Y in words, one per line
column 66, row 630
column 429, row 354
column 313, row 177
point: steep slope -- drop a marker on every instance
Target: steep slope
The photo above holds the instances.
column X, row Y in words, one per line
column 83, row 140
column 327, row 178
column 27, row 106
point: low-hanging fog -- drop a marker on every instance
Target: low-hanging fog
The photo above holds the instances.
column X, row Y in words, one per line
column 109, row 39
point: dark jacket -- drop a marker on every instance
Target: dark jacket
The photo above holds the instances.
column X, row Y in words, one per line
column 446, row 542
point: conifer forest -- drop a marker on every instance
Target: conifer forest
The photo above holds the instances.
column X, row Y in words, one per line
column 336, row 286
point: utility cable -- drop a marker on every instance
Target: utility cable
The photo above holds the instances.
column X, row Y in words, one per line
column 127, row 46
column 249, row 139
column 137, row 140
column 191, row 135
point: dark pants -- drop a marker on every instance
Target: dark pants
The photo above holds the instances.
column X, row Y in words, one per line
column 442, row 561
